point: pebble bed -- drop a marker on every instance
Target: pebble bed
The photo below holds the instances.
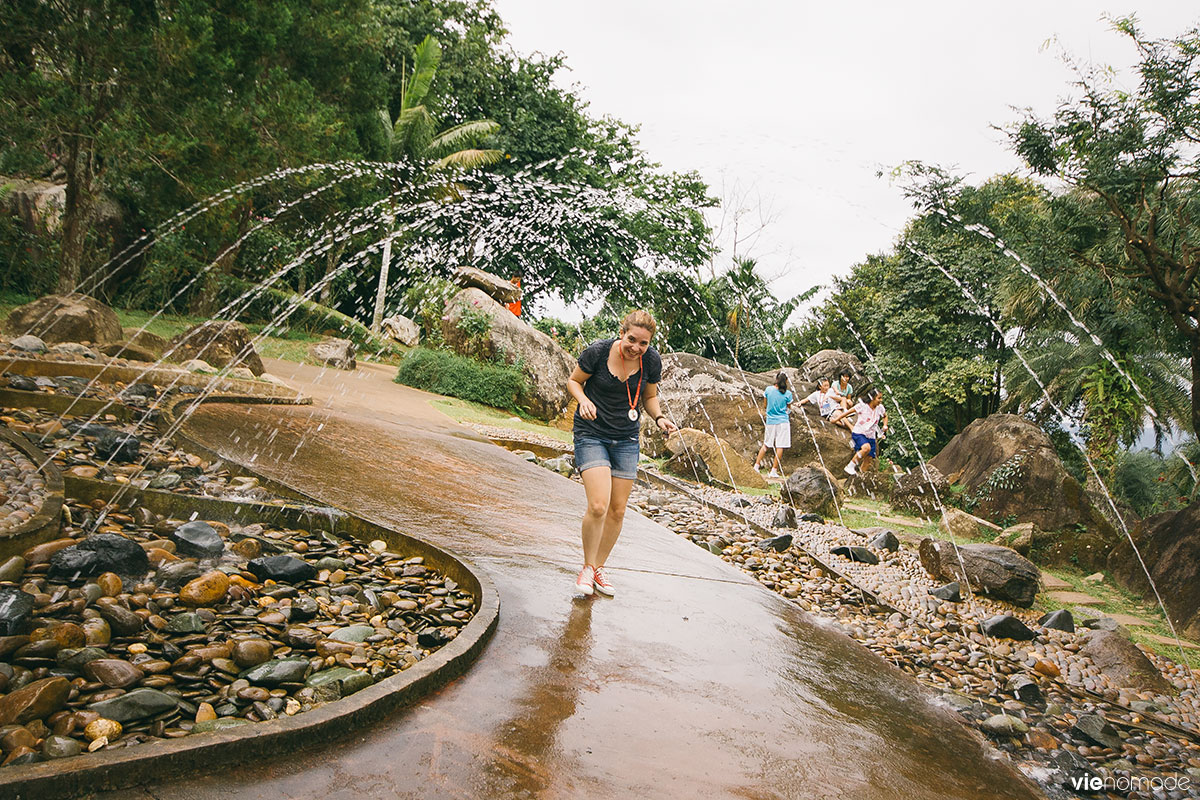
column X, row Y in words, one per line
column 1146, row 736
column 133, row 627
column 22, row 488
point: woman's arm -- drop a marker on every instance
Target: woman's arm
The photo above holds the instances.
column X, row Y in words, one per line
column 587, row 409
column 650, row 401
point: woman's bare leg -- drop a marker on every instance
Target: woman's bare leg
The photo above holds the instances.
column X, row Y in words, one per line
column 597, row 485
column 614, row 519
column 762, row 451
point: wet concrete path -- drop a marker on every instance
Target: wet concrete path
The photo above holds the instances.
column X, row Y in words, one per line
column 693, row 682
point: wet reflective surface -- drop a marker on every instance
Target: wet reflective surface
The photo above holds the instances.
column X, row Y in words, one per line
column 693, row 681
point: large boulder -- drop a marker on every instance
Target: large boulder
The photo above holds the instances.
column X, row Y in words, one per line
column 1123, row 663
column 493, row 286
column 1169, row 543
column 219, row 343
column 546, row 365
column 334, row 352
column 1010, row 468
column 921, row 491
column 987, row 568
column 723, row 461
column 812, row 489
column 699, row 393
column 65, row 318
column 830, row 363
column 403, row 330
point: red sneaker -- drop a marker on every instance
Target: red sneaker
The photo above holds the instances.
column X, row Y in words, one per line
column 584, row 582
column 600, row 580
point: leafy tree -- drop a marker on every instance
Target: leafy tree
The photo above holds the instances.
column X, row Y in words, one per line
column 1132, row 162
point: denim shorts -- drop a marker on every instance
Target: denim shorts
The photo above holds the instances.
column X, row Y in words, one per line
column 619, row 455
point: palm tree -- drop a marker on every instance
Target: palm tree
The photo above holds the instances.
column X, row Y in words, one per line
column 413, row 135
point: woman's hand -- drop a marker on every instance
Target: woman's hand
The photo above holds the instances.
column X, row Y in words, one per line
column 587, row 409
column 666, row 426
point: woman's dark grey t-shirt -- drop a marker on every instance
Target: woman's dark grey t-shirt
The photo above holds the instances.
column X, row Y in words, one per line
column 610, row 394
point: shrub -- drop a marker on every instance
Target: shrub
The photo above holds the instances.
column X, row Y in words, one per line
column 425, row 303
column 443, row 372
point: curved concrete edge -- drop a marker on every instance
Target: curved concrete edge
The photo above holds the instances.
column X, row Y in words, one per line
column 163, row 759
column 148, row 374
column 63, row 404
column 42, row 526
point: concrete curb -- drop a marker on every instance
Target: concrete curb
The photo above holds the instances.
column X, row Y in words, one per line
column 42, row 526
column 168, row 758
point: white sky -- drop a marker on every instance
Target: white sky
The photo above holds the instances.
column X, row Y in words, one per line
column 798, row 104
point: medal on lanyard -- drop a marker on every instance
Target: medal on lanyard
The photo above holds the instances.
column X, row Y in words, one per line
column 633, row 400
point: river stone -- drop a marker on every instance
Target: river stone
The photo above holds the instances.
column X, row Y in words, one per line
column 273, row 673
column 12, row 570
column 252, row 652
column 67, row 635
column 301, row 637
column 135, row 705
column 28, row 344
column 1003, row 725
column 22, row 382
column 124, row 448
column 785, row 517
column 885, row 540
column 61, row 747
column 813, row 489
column 1006, row 626
column 165, row 480
column 38, row 700
column 1059, row 620
column 1097, row 730
column 1123, row 663
column 1024, row 689
column 22, row 755
column 855, row 553
column 15, row 608
column 187, row 622
column 121, row 620
column 207, row 590
column 330, row 563
column 994, row 570
column 951, row 592
column 353, row 633
column 113, row 553
column 75, row 659
column 219, row 724
column 348, row 680
column 777, row 543
column 176, row 574
column 103, row 728
column 113, row 672
column 282, row 569
column 197, row 539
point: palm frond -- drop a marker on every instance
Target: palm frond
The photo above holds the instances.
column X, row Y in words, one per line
column 413, row 132
column 426, row 59
column 461, row 137
column 470, row 159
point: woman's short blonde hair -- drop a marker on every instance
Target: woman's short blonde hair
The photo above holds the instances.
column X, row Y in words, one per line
column 637, row 319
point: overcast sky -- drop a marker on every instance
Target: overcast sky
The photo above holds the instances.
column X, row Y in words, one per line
column 794, row 106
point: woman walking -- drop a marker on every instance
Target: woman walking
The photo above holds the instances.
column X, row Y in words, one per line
column 615, row 382
column 777, row 431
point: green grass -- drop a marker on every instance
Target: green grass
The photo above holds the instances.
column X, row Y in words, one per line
column 470, row 412
column 1119, row 600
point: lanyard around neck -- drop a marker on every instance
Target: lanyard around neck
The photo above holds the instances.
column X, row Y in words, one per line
column 633, row 399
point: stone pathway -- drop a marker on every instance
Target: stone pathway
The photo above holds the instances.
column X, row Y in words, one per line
column 693, row 681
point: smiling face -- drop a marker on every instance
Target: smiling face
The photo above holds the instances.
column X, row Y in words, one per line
column 633, row 342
